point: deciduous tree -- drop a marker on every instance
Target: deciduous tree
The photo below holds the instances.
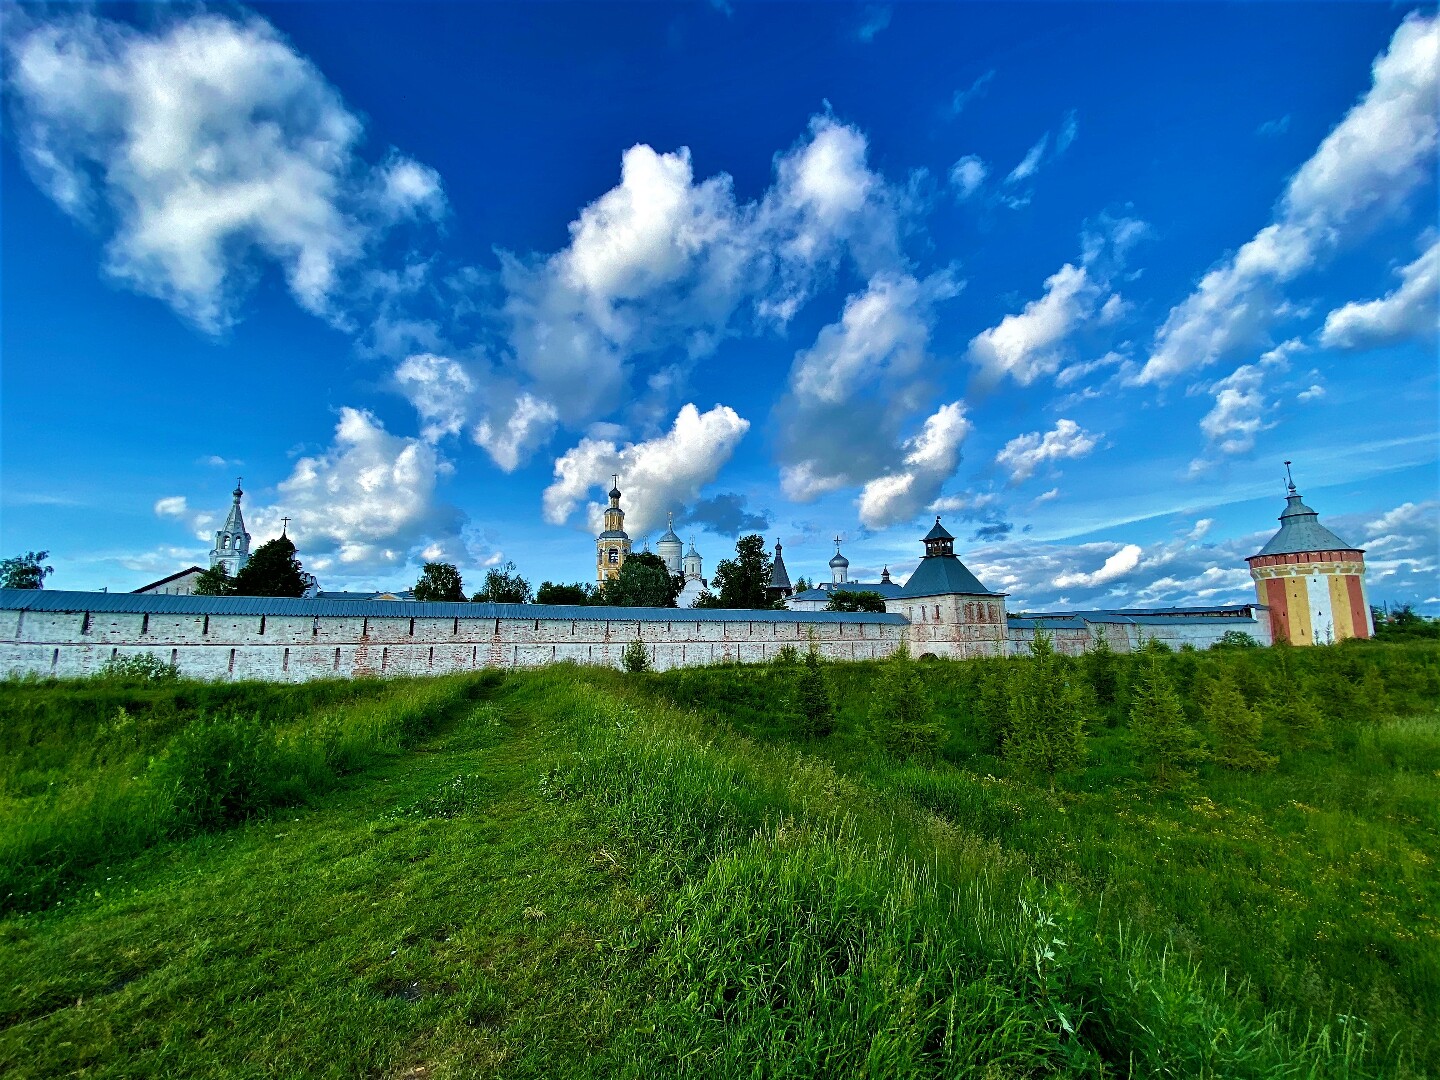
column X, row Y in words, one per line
column 742, row 581
column 215, row 582
column 550, row 593
column 644, row 581
column 27, row 571
column 852, row 600
column 440, row 581
column 503, row 585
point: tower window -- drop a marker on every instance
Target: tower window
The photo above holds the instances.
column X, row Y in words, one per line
column 614, row 556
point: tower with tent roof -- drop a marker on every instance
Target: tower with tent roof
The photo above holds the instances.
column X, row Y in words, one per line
column 232, row 542
column 612, row 547
column 1312, row 581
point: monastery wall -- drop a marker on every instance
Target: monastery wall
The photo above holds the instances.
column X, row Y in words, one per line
column 290, row 647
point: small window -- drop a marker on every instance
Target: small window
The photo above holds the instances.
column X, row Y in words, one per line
column 937, row 612
column 614, row 556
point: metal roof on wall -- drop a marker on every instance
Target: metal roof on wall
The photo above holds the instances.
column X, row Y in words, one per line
column 280, row 606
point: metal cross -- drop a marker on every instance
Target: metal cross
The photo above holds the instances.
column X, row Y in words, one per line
column 284, row 525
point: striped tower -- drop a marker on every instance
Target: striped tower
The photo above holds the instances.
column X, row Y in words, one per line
column 1312, row 581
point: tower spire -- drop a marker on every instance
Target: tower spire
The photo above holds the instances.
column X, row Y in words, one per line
column 1289, row 480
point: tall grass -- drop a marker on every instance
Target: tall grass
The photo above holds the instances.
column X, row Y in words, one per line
column 96, row 770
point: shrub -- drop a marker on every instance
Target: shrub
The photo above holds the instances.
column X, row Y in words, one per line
column 1101, row 669
column 218, row 771
column 636, row 657
column 786, row 656
column 144, row 667
column 1236, row 639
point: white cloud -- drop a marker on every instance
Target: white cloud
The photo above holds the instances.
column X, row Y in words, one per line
column 1408, row 312
column 440, row 389
column 1365, row 169
column 1238, row 413
column 876, row 19
column 1116, row 566
column 1314, row 393
column 408, row 189
column 1027, row 345
column 208, row 141
column 172, row 506
column 854, row 390
column 967, row 174
column 528, row 427
column 1024, row 454
column 1030, row 163
column 656, row 475
column 930, row 459
column 367, row 501
column 961, row 98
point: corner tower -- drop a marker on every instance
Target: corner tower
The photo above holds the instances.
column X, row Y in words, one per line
column 612, row 546
column 1311, row 580
column 232, row 542
column 950, row 612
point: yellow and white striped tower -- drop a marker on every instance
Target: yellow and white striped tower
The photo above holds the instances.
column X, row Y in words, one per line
column 1311, row 580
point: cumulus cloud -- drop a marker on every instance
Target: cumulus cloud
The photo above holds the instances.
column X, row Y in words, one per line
column 440, row 389
column 367, row 501
column 1027, row 345
column 1364, row 170
column 1116, row 566
column 1024, row 454
column 967, row 174
column 199, row 146
column 930, row 458
column 657, row 475
column 854, row 389
column 172, row 506
column 664, row 263
column 529, row 425
column 1407, row 313
column 1237, row 416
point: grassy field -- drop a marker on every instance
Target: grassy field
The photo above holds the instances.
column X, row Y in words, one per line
column 579, row 872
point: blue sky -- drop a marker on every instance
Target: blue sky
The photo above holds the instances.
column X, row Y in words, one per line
column 1076, row 277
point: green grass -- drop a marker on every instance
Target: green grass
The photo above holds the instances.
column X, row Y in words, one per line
column 575, row 872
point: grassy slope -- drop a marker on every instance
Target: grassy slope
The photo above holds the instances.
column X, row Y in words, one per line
column 574, row 877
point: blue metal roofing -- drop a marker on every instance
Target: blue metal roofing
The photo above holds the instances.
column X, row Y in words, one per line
column 1301, row 531
column 1132, row 617
column 280, row 606
column 940, row 575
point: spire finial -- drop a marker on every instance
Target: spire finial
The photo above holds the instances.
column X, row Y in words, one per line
column 1289, row 480
column 837, row 543
column 284, row 525
column 670, row 520
column 237, row 492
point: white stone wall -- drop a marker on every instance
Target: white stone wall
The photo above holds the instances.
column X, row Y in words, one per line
column 1126, row 637
column 956, row 627
column 293, row 649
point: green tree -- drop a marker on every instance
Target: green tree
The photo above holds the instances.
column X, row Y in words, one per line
column 636, row 657
column 1234, row 726
column 1047, row 726
column 992, row 702
column 1102, row 669
column 813, row 700
column 27, row 571
column 550, row 593
column 802, row 584
column 1168, row 746
column 440, row 581
column 902, row 715
column 503, row 585
column 707, row 599
column 215, row 582
column 644, row 581
column 852, row 600
column 1290, row 708
column 1401, row 623
column 273, row 569
column 742, row 581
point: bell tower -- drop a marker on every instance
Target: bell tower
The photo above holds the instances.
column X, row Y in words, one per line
column 232, row 542
column 612, row 546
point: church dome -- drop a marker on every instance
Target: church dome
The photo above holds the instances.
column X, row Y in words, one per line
column 839, row 560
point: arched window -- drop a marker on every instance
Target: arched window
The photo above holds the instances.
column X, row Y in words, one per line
column 614, row 556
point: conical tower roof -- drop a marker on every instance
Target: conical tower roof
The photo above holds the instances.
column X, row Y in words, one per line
column 235, row 521
column 779, row 576
column 1301, row 531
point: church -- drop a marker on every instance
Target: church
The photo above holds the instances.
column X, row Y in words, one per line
column 613, row 547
